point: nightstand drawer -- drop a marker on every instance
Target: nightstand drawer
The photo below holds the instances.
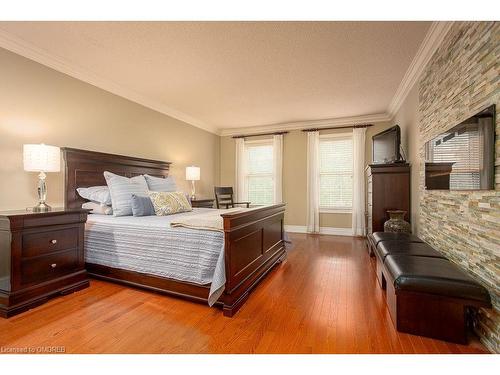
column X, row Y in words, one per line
column 39, row 221
column 47, row 267
column 49, row 241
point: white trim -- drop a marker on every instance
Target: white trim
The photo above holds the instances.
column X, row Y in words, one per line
column 310, row 124
column 336, row 231
column 296, row 228
column 430, row 44
column 30, row 51
column 323, row 230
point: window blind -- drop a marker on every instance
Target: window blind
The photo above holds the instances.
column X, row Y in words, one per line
column 335, row 165
column 259, row 177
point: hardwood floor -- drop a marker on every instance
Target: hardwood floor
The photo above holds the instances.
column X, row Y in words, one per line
column 345, row 314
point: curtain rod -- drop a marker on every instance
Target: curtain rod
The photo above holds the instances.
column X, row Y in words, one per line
column 258, row 135
column 338, row 127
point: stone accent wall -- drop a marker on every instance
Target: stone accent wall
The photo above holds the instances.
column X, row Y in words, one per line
column 462, row 78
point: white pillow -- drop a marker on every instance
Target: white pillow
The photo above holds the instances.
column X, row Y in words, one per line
column 166, row 184
column 98, row 208
column 121, row 189
column 98, row 194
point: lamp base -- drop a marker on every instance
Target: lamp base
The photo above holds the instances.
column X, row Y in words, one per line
column 41, row 207
column 193, row 191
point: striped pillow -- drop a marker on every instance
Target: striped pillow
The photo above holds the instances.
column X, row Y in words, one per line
column 161, row 184
column 121, row 190
column 168, row 203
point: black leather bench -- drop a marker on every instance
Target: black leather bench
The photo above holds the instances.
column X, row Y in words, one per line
column 400, row 247
column 386, row 248
column 426, row 294
column 394, row 236
column 376, row 237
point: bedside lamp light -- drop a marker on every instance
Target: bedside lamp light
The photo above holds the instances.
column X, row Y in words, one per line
column 193, row 174
column 41, row 158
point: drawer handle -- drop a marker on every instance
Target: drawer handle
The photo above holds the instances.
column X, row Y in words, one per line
column 53, row 242
column 53, row 265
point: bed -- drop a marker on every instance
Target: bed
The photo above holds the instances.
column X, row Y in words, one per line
column 234, row 261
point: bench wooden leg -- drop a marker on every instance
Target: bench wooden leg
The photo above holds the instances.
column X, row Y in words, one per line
column 369, row 247
column 380, row 274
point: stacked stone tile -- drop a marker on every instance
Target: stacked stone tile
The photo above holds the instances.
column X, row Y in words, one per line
column 463, row 77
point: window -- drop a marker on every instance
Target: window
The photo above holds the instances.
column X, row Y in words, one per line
column 335, row 169
column 259, row 179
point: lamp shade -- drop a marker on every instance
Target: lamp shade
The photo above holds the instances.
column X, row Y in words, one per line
column 192, row 173
column 41, row 158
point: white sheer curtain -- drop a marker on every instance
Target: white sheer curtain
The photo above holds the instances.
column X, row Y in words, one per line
column 358, row 182
column 240, row 188
column 313, row 182
column 278, row 168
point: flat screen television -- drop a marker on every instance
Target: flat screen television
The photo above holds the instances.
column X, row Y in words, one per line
column 386, row 146
column 463, row 157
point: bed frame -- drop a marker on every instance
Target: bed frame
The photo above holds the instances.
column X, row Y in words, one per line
column 253, row 239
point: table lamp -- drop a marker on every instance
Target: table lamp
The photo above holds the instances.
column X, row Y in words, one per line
column 193, row 174
column 41, row 158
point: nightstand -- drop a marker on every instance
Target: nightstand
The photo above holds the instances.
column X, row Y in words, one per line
column 203, row 203
column 41, row 256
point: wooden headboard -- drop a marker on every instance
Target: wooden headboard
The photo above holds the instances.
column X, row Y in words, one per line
column 85, row 168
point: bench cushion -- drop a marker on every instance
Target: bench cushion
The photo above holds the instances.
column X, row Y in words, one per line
column 394, row 247
column 434, row 276
column 391, row 236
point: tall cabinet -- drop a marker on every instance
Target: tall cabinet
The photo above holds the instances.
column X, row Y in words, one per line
column 388, row 189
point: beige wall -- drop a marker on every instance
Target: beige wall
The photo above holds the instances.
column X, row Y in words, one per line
column 40, row 105
column 295, row 175
column 407, row 117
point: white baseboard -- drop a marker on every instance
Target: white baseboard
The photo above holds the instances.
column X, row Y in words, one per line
column 295, row 228
column 323, row 230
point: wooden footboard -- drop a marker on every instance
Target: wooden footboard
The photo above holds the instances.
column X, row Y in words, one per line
column 254, row 243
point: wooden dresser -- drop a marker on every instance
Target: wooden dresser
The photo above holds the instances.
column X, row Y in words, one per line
column 388, row 189
column 41, row 255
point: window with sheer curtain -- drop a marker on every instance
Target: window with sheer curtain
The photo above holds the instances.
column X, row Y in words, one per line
column 335, row 170
column 259, row 177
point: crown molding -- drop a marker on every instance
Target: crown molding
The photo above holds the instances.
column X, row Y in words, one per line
column 28, row 50
column 310, row 124
column 430, row 44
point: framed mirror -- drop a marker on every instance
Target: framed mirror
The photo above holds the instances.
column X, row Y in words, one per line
column 463, row 157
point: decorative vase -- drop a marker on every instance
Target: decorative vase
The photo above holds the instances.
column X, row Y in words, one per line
column 396, row 222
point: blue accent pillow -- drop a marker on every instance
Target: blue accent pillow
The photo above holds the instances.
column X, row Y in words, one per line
column 142, row 205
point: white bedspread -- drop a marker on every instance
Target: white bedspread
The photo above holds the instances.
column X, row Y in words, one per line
column 150, row 245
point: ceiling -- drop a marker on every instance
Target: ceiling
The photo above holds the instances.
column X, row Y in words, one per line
column 222, row 75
